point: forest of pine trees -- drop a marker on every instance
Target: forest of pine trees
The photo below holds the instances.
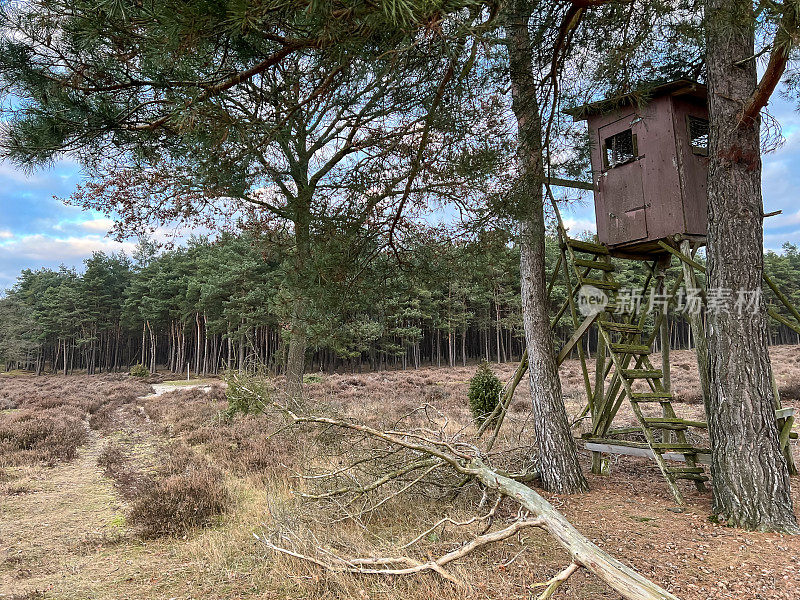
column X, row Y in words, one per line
column 216, row 304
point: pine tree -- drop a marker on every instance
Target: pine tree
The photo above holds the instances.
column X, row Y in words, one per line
column 749, row 475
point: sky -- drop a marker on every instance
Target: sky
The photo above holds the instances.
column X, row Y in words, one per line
column 38, row 230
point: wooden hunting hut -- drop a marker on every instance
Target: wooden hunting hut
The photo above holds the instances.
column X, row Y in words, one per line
column 649, row 165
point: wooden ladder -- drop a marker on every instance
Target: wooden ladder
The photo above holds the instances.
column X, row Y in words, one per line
column 665, row 434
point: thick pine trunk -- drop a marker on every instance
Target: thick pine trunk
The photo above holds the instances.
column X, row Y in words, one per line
column 298, row 337
column 750, row 478
column 558, row 456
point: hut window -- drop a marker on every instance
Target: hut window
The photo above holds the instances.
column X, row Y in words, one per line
column 619, row 149
column 698, row 135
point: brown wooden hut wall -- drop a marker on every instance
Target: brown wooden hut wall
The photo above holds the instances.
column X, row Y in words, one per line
column 663, row 191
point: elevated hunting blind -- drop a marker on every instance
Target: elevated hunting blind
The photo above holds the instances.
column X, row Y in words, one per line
column 649, row 158
column 649, row 164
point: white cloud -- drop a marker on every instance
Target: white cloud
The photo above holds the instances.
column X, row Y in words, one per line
column 98, row 225
column 69, row 250
column 10, row 173
column 774, row 241
column 576, row 226
column 5, row 234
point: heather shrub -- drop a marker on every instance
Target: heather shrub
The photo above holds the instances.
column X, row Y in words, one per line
column 31, row 436
column 246, row 446
column 112, row 460
column 484, row 393
column 8, row 403
column 185, row 411
column 435, row 393
column 103, row 417
column 186, row 492
column 117, row 466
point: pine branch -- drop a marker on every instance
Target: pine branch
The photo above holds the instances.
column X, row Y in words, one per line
column 784, row 41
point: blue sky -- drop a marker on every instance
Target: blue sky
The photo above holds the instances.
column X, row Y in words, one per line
column 37, row 230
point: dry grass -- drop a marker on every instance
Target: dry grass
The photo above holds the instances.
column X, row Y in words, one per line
column 91, row 547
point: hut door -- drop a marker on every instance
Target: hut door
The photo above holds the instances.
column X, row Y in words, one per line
column 620, row 183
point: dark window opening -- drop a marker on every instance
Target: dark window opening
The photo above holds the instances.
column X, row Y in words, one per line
column 698, row 135
column 620, row 148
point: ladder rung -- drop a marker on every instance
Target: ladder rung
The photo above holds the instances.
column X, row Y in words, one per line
column 630, row 349
column 642, row 374
column 675, row 446
column 621, row 443
column 622, row 327
column 601, row 285
column 651, row 396
column 660, row 448
column 692, row 476
column 594, row 264
column 614, row 309
column 586, row 246
column 670, row 426
column 674, row 470
column 676, row 421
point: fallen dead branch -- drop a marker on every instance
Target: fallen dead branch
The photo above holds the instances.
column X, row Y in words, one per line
column 369, row 566
column 465, row 459
column 555, row 582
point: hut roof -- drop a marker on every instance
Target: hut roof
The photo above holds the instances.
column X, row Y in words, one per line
column 640, row 97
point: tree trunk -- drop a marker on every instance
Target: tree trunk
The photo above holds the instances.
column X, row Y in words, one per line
column 497, row 329
column 205, row 344
column 144, row 350
column 295, row 360
column 152, row 348
column 298, row 339
column 749, row 475
column 558, row 456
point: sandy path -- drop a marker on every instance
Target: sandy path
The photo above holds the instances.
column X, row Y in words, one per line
column 66, row 536
column 49, row 530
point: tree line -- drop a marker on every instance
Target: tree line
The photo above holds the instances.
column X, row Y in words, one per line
column 220, row 303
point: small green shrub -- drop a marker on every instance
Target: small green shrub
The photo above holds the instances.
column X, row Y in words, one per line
column 139, row 370
column 484, row 393
column 247, row 393
column 312, row 378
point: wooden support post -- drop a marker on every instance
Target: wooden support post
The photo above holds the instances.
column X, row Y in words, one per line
column 784, row 300
column 554, row 277
column 663, row 330
column 573, row 311
column 698, row 330
column 665, row 361
column 575, row 339
column 599, row 464
column 784, row 429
